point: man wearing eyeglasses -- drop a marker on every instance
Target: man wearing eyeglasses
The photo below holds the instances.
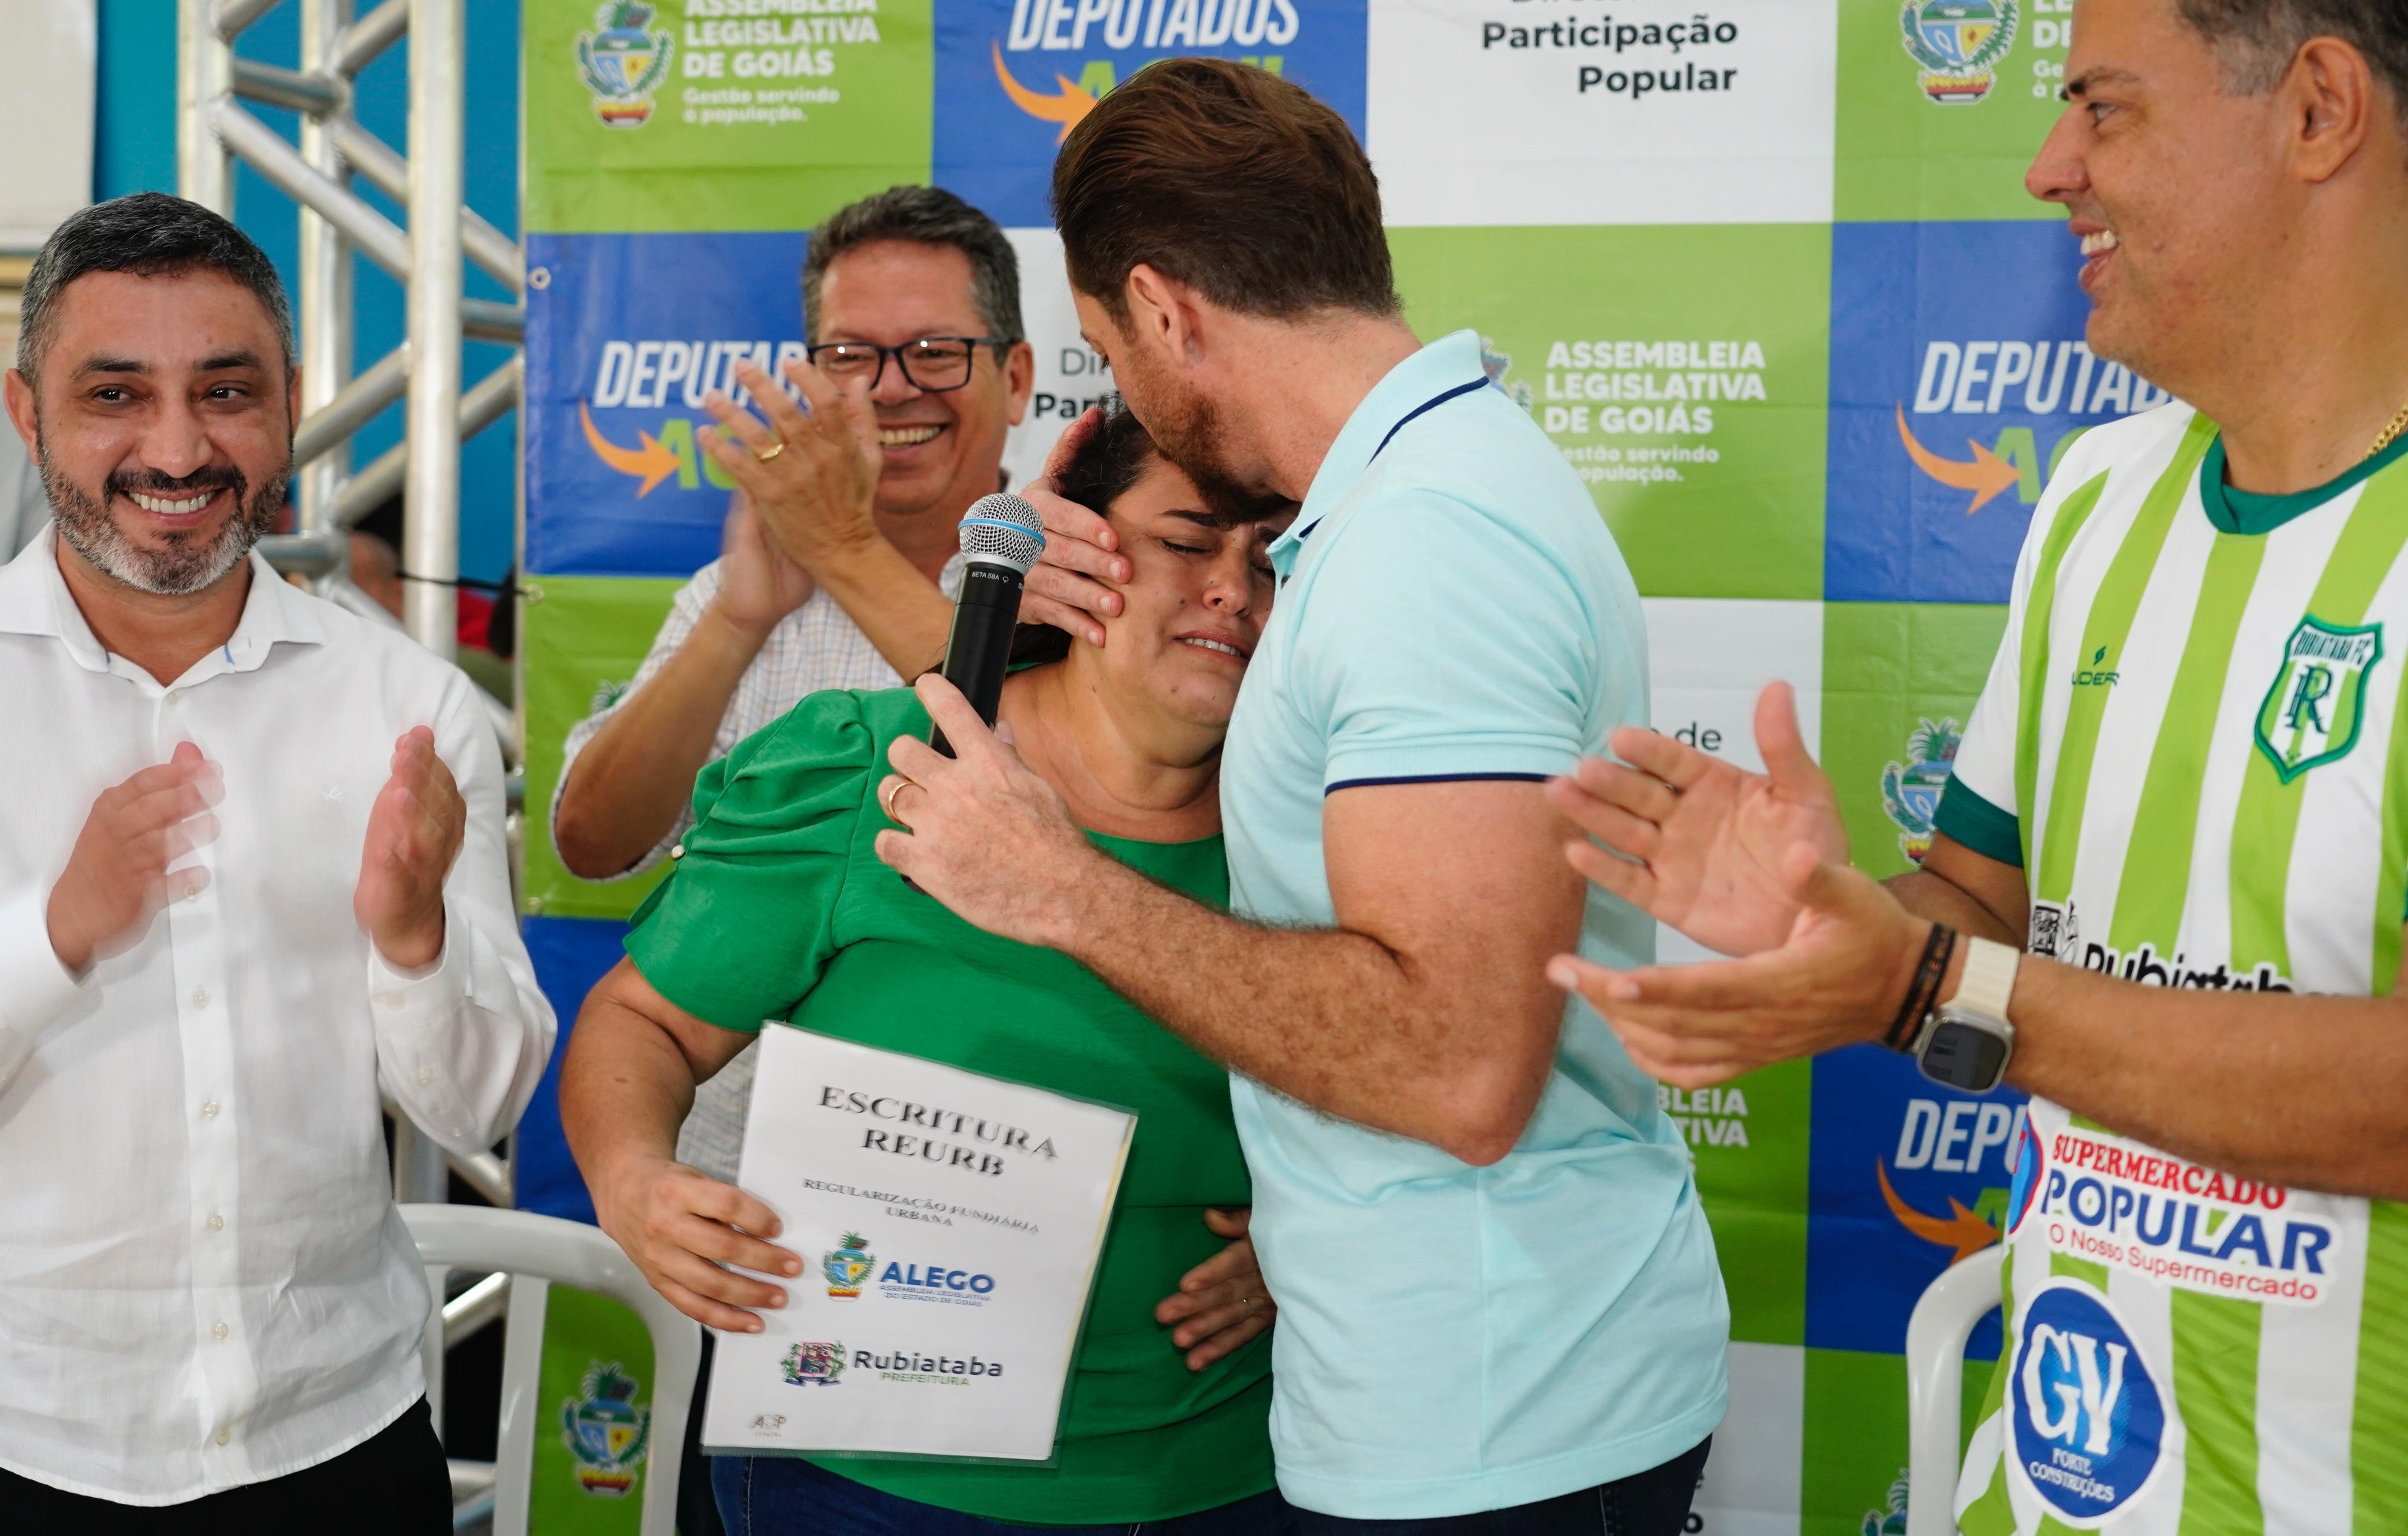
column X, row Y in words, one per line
column 840, row 552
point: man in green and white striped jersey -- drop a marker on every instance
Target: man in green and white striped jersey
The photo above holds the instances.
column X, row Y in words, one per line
column 2186, row 784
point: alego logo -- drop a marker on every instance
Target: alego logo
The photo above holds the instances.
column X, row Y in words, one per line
column 1959, row 44
column 2086, row 1421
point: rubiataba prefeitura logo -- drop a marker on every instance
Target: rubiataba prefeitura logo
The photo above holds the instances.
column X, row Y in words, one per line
column 622, row 63
column 1959, row 45
column 813, row 1363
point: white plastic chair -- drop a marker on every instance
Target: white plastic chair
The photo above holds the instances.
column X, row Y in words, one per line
column 535, row 1251
column 1935, row 1372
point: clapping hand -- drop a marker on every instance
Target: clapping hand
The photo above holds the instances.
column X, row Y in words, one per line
column 1838, row 978
column 1701, row 842
column 811, row 479
column 414, row 833
column 121, row 872
column 759, row 584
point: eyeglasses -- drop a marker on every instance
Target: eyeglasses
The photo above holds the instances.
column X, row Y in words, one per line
column 933, row 364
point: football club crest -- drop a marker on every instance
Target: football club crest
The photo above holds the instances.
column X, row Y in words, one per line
column 1911, row 790
column 2315, row 710
column 622, row 63
column 814, row 1363
column 1959, row 45
column 606, row 1431
column 847, row 1266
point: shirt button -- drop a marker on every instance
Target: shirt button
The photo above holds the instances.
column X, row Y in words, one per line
column 678, row 852
column 191, row 893
column 225, row 1435
column 209, row 1108
column 201, row 998
column 217, row 1223
column 219, row 1330
column 390, row 999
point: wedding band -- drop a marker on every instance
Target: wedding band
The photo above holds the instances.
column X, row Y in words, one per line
column 775, row 448
column 892, row 794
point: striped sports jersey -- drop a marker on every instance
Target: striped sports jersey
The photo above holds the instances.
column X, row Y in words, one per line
column 2191, row 739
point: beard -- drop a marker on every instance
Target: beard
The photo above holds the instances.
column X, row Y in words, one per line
column 189, row 562
column 1191, row 434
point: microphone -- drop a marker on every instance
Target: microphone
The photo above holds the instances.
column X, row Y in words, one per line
column 1002, row 535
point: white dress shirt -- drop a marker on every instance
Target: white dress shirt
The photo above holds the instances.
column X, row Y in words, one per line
column 203, row 1279
column 816, row 646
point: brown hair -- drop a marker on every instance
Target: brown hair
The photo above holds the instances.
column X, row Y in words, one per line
column 1227, row 179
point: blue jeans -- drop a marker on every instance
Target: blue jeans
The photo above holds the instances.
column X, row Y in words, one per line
column 1654, row 1503
column 786, row 1495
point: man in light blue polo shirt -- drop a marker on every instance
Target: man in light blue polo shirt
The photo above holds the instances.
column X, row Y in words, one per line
column 1496, row 1289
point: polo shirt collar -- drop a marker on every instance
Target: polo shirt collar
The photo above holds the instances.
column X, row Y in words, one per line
column 34, row 600
column 1449, row 363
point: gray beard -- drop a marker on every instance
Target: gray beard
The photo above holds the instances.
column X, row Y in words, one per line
column 185, row 566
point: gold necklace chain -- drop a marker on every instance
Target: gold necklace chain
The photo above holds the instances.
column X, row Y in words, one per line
column 2390, row 434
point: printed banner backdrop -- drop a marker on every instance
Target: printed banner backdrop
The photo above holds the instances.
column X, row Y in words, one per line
column 1765, row 270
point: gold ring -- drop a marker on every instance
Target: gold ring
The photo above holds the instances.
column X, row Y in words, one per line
column 893, row 795
column 776, row 448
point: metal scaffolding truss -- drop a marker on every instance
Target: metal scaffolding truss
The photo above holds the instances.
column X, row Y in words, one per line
column 213, row 129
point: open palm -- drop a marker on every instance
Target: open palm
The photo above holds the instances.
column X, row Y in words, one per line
column 1702, row 843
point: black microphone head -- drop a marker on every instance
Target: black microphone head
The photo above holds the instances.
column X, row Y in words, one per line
column 1003, row 530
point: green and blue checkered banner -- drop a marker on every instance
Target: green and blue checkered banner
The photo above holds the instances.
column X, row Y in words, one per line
column 1765, row 271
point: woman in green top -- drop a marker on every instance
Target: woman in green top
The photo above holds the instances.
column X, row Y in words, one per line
column 780, row 908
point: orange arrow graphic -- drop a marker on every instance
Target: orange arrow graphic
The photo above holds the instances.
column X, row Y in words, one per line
column 1074, row 101
column 652, row 462
column 1986, row 477
column 1966, row 1232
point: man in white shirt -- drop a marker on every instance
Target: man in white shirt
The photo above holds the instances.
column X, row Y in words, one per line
column 251, row 871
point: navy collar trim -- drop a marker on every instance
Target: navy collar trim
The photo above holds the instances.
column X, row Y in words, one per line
column 1405, row 420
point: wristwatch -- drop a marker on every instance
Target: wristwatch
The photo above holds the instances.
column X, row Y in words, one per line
column 1964, row 1043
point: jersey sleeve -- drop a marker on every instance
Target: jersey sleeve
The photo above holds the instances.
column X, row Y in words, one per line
column 744, row 926
column 1982, row 807
column 1445, row 644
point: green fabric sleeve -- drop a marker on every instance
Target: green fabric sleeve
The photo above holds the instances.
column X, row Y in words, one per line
column 1980, row 826
column 766, row 861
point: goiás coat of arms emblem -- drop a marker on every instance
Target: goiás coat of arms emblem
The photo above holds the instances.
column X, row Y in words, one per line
column 622, row 63
column 846, row 1266
column 606, row 1431
column 1911, row 790
column 1959, row 45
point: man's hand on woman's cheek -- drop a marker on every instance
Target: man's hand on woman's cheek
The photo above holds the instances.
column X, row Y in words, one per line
column 1067, row 587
